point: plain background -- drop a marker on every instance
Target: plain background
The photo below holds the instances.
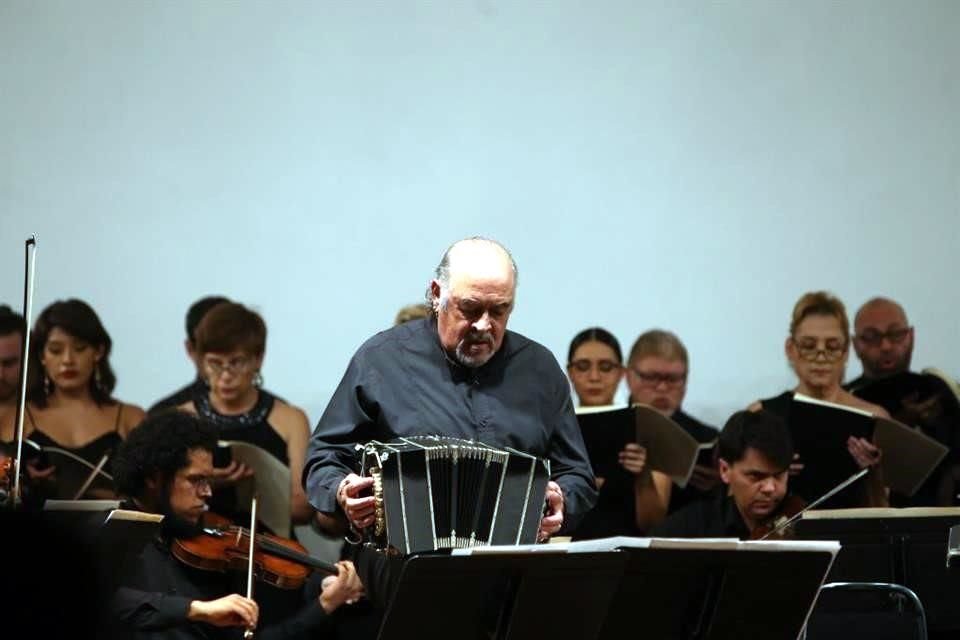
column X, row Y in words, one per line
column 695, row 166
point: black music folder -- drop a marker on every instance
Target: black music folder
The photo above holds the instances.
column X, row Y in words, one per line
column 77, row 477
column 820, row 431
column 670, row 449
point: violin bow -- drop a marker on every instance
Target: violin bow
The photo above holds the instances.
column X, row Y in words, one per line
column 248, row 633
column 829, row 494
column 30, row 262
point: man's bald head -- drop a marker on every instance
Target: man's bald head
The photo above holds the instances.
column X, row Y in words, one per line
column 883, row 308
column 475, row 257
column 883, row 339
column 472, row 296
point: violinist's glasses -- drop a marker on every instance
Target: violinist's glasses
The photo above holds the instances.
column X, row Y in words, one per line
column 198, row 481
column 810, row 349
column 238, row 365
column 604, row 366
column 874, row 338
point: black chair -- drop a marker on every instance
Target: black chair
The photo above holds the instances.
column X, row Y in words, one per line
column 875, row 610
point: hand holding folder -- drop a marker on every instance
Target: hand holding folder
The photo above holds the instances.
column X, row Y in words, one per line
column 669, row 448
column 821, row 431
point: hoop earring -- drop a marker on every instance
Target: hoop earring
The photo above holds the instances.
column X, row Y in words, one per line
column 258, row 379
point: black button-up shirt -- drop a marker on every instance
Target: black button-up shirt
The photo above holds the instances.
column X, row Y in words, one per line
column 154, row 597
column 716, row 517
column 401, row 383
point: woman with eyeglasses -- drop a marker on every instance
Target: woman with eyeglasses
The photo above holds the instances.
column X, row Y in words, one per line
column 818, row 348
column 70, row 409
column 657, row 376
column 230, row 342
column 633, row 500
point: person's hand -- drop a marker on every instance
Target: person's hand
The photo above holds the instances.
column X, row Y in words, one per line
column 230, row 474
column 359, row 511
column 551, row 523
column 864, row 452
column 633, row 458
column 704, row 478
column 229, row 611
column 345, row 587
column 599, row 481
column 796, row 466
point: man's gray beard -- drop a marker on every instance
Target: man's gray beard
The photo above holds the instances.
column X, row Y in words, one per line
column 471, row 362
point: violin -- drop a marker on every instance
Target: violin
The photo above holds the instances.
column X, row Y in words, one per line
column 793, row 507
column 223, row 546
column 779, row 525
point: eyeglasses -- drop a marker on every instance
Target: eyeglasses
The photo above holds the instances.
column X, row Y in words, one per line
column 199, row 482
column 810, row 349
column 240, row 364
column 604, row 366
column 874, row 338
column 654, row 378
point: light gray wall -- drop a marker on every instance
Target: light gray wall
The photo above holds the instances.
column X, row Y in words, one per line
column 689, row 165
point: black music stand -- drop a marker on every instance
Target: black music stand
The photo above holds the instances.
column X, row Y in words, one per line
column 899, row 546
column 680, row 590
column 504, row 596
column 701, row 590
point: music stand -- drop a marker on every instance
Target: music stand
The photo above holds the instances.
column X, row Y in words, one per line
column 672, row 589
column 900, row 546
column 712, row 589
column 504, row 596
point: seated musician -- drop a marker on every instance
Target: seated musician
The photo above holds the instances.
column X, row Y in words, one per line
column 657, row 371
column 12, row 329
column 165, row 467
column 818, row 348
column 883, row 340
column 755, row 451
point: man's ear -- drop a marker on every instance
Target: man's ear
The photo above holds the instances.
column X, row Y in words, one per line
column 726, row 469
column 435, row 295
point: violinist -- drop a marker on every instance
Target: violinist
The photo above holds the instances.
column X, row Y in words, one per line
column 755, row 451
column 12, row 331
column 165, row 467
column 12, row 328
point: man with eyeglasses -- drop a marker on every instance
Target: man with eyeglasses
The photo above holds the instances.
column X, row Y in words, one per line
column 657, row 370
column 883, row 340
column 165, row 467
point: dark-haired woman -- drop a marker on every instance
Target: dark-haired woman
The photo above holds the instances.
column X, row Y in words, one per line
column 629, row 501
column 70, row 403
